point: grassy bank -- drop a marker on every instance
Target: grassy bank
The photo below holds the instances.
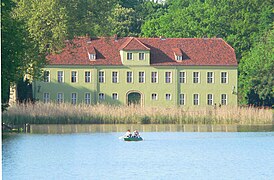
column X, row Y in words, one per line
column 50, row 113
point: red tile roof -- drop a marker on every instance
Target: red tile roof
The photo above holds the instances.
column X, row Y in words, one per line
column 196, row 51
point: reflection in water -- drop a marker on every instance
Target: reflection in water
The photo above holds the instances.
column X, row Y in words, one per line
column 86, row 128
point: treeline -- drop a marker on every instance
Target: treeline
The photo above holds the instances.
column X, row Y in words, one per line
column 32, row 29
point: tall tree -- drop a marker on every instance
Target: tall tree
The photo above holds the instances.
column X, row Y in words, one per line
column 46, row 22
column 257, row 69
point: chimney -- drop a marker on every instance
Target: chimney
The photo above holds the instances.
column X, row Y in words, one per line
column 115, row 37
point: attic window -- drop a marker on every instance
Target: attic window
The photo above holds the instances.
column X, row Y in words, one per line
column 178, row 54
column 92, row 56
column 179, row 58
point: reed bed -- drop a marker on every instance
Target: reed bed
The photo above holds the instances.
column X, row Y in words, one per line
column 51, row 113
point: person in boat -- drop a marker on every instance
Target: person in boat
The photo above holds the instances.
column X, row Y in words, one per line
column 136, row 133
column 128, row 133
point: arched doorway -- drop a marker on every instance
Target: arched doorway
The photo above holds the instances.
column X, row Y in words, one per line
column 134, row 98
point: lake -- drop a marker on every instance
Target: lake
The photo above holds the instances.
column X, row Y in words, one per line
column 162, row 155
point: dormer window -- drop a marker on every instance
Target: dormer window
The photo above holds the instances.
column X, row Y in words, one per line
column 91, row 53
column 92, row 56
column 178, row 54
column 129, row 56
column 179, row 58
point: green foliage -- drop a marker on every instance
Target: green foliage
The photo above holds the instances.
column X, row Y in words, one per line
column 122, row 20
column 46, row 22
column 257, row 69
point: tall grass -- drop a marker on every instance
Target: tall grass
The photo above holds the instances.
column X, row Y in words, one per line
column 51, row 113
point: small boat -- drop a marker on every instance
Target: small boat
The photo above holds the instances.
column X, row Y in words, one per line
column 133, row 139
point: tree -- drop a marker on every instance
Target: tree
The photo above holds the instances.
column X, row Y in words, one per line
column 122, row 20
column 257, row 69
column 46, row 23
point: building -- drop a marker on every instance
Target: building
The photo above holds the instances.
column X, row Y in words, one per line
column 146, row 71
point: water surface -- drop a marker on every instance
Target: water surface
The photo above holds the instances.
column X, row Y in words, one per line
column 162, row 155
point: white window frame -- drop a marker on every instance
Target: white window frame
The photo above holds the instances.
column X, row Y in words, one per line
column 224, row 101
column 87, row 98
column 47, row 78
column 179, row 58
column 101, row 96
column 92, row 56
column 60, row 78
column 168, row 97
column 226, row 78
column 60, row 99
column 198, row 99
column 182, row 79
column 46, row 97
column 154, row 96
column 87, row 78
column 194, row 77
column 113, row 96
column 182, row 100
column 208, row 78
column 71, row 77
column 143, row 77
column 154, row 79
column 129, row 78
column 208, row 100
column 168, row 79
column 141, row 56
column 101, row 77
column 129, row 56
column 115, row 78
column 73, row 99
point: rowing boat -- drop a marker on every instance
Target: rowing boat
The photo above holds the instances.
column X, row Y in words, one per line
column 133, row 139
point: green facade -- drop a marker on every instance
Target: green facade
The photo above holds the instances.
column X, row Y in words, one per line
column 164, row 94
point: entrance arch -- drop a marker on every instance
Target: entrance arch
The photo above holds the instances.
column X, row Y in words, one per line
column 134, row 98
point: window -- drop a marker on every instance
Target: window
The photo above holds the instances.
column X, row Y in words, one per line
column 60, row 98
column 223, row 99
column 73, row 76
column 87, row 98
column 46, row 76
column 114, row 96
column 196, row 99
column 101, row 76
column 209, row 77
column 168, row 97
column 92, row 56
column 182, row 77
column 168, row 77
column 141, row 77
column 196, row 77
column 154, row 77
column 154, row 96
column 223, row 77
column 209, row 99
column 129, row 56
column 179, row 58
column 87, row 77
column 101, row 96
column 46, row 97
column 60, row 76
column 141, row 56
column 114, row 77
column 73, row 98
column 129, row 77
column 182, row 99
